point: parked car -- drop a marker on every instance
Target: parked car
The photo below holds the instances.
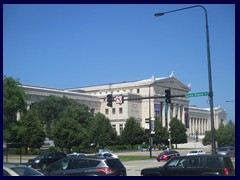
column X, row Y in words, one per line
column 166, row 155
column 86, row 166
column 19, row 170
column 227, row 151
column 106, row 154
column 200, row 165
column 195, row 152
column 43, row 160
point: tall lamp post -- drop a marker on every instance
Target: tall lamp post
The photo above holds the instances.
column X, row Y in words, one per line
column 209, row 69
column 150, row 121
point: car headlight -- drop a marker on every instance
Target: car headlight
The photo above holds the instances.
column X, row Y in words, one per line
column 37, row 161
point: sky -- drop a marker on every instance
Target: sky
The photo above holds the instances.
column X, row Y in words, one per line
column 75, row 45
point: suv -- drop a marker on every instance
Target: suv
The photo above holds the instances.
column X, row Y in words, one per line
column 86, row 166
column 197, row 165
column 43, row 160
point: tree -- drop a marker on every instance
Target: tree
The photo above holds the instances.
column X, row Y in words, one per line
column 30, row 131
column 207, row 140
column 101, row 132
column 67, row 132
column 13, row 102
column 49, row 109
column 161, row 133
column 225, row 134
column 178, row 131
column 133, row 133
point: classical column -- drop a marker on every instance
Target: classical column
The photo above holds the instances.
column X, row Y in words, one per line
column 179, row 112
column 174, row 109
column 163, row 115
column 183, row 115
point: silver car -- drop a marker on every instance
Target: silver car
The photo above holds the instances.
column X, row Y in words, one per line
column 226, row 151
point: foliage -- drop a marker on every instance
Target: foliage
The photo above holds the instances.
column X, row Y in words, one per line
column 133, row 133
column 13, row 102
column 225, row 135
column 178, row 131
column 161, row 133
column 101, row 132
column 67, row 132
column 31, row 131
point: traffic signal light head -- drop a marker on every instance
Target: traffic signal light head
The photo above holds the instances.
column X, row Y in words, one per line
column 109, row 100
column 168, row 96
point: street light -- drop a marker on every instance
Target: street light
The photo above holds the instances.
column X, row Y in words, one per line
column 150, row 121
column 209, row 70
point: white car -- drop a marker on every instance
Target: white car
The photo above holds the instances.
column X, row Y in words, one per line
column 196, row 152
column 107, row 154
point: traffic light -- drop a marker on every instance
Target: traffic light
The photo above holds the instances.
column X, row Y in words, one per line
column 168, row 96
column 109, row 100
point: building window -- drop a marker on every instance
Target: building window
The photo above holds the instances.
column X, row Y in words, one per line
column 138, row 90
column 121, row 127
column 92, row 110
column 106, row 111
column 120, row 110
column 114, row 126
column 113, row 111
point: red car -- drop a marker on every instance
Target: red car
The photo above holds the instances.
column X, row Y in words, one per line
column 166, row 155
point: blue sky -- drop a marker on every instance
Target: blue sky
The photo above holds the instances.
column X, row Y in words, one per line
column 66, row 46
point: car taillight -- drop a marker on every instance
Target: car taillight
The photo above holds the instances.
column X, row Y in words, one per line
column 106, row 170
column 225, row 170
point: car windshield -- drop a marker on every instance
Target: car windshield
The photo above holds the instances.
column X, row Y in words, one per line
column 25, row 171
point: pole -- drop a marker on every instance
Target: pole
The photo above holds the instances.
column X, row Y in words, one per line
column 209, row 70
column 150, row 123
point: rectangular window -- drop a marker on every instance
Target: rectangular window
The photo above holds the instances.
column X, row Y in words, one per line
column 120, row 110
column 106, row 111
column 121, row 127
column 138, row 90
column 113, row 111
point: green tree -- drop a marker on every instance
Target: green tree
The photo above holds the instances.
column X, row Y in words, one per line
column 207, row 140
column 133, row 133
column 13, row 102
column 67, row 132
column 225, row 134
column 48, row 110
column 178, row 132
column 30, row 131
column 161, row 133
column 101, row 132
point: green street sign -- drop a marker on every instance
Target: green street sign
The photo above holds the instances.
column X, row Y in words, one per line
column 196, row 94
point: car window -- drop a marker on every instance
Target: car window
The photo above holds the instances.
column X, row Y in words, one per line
column 5, row 173
column 213, row 162
column 173, row 163
column 195, row 162
column 61, row 165
column 114, row 163
column 93, row 163
column 79, row 163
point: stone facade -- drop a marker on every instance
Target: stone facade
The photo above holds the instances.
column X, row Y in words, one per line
column 95, row 97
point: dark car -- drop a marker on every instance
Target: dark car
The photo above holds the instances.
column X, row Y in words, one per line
column 43, row 160
column 166, row 155
column 227, row 151
column 86, row 166
column 197, row 165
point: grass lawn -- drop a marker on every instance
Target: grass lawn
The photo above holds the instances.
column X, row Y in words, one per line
column 133, row 158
